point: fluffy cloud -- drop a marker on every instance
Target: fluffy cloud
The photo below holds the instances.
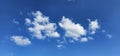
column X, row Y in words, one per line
column 93, row 26
column 20, row 40
column 28, row 21
column 72, row 29
column 41, row 27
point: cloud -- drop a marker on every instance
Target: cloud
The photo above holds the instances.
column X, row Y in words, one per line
column 20, row 40
column 84, row 39
column 15, row 22
column 41, row 27
column 108, row 35
column 90, row 38
column 93, row 26
column 27, row 21
column 60, row 46
column 72, row 29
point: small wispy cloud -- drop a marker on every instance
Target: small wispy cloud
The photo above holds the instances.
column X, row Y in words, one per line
column 41, row 27
column 15, row 22
column 60, row 46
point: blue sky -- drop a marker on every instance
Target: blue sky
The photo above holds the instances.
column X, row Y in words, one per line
column 59, row 28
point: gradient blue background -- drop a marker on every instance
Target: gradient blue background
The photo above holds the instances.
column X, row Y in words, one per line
column 106, row 11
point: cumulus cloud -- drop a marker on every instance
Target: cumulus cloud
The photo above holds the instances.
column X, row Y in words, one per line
column 41, row 27
column 20, row 40
column 74, row 30
column 93, row 26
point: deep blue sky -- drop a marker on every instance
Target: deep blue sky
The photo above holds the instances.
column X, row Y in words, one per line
column 106, row 11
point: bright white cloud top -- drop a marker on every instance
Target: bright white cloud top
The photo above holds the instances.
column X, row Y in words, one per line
column 71, row 29
column 41, row 25
column 20, row 40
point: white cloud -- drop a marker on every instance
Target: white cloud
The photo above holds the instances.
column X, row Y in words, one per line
column 90, row 38
column 84, row 39
column 71, row 0
column 42, row 27
column 60, row 46
column 20, row 40
column 93, row 26
column 27, row 21
column 71, row 29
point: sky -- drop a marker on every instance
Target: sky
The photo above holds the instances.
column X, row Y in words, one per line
column 59, row 28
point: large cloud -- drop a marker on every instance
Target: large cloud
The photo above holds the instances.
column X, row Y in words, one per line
column 41, row 27
column 20, row 40
column 72, row 29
